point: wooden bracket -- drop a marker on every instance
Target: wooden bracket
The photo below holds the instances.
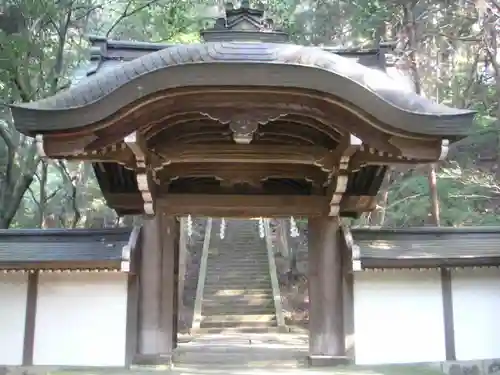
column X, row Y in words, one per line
column 144, row 175
column 39, row 146
column 445, row 147
column 346, row 149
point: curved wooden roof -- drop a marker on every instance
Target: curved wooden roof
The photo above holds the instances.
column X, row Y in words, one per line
column 278, row 69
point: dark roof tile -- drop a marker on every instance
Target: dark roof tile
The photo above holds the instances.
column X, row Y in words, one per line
column 76, row 245
column 439, row 244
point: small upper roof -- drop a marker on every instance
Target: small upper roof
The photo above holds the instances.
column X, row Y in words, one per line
column 62, row 248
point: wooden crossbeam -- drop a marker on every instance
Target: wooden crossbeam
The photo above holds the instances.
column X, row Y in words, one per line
column 243, row 205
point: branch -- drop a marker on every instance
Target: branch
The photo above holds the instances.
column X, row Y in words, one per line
column 6, row 138
column 126, row 13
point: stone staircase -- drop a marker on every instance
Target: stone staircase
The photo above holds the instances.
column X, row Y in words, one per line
column 238, row 294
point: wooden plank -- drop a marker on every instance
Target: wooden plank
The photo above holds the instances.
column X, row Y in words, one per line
column 243, row 205
column 132, row 329
column 30, row 319
column 348, row 291
column 243, row 171
column 242, row 154
column 449, row 330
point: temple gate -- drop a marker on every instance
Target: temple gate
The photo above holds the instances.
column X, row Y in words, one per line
column 244, row 124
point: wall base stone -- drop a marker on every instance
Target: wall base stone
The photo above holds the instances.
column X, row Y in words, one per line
column 479, row 367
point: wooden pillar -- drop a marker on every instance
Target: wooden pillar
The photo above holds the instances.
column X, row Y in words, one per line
column 348, row 287
column 158, row 290
column 183, row 259
column 326, row 321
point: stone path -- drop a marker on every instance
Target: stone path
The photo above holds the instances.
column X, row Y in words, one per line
column 262, row 354
column 248, row 354
column 243, row 350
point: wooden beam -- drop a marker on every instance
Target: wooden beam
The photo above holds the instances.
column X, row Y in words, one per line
column 365, row 158
column 427, row 149
column 348, row 204
column 137, row 144
column 243, row 171
column 60, row 146
column 357, row 203
column 243, row 205
column 311, row 155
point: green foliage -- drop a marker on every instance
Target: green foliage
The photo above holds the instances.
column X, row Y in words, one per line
column 42, row 42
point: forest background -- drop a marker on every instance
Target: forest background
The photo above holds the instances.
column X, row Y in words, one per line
column 449, row 48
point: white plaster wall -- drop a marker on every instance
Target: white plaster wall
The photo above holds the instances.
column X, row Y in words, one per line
column 81, row 319
column 476, row 313
column 13, row 291
column 398, row 317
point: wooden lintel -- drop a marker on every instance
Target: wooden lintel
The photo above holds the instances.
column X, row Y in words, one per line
column 357, row 203
column 123, row 157
column 365, row 158
column 242, row 205
column 431, row 150
column 241, row 154
column 59, row 147
column 243, row 171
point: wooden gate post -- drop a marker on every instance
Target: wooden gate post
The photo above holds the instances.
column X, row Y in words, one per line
column 326, row 320
column 158, row 290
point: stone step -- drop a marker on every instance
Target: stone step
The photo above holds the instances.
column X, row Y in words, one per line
column 247, row 268
column 237, row 300
column 268, row 308
column 215, row 286
column 249, row 298
column 268, row 304
column 238, row 275
column 235, row 260
column 228, row 356
column 231, row 324
column 248, row 318
column 238, row 256
column 226, row 280
column 213, row 290
column 224, row 310
column 223, row 266
column 222, row 292
column 236, row 330
column 237, row 283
